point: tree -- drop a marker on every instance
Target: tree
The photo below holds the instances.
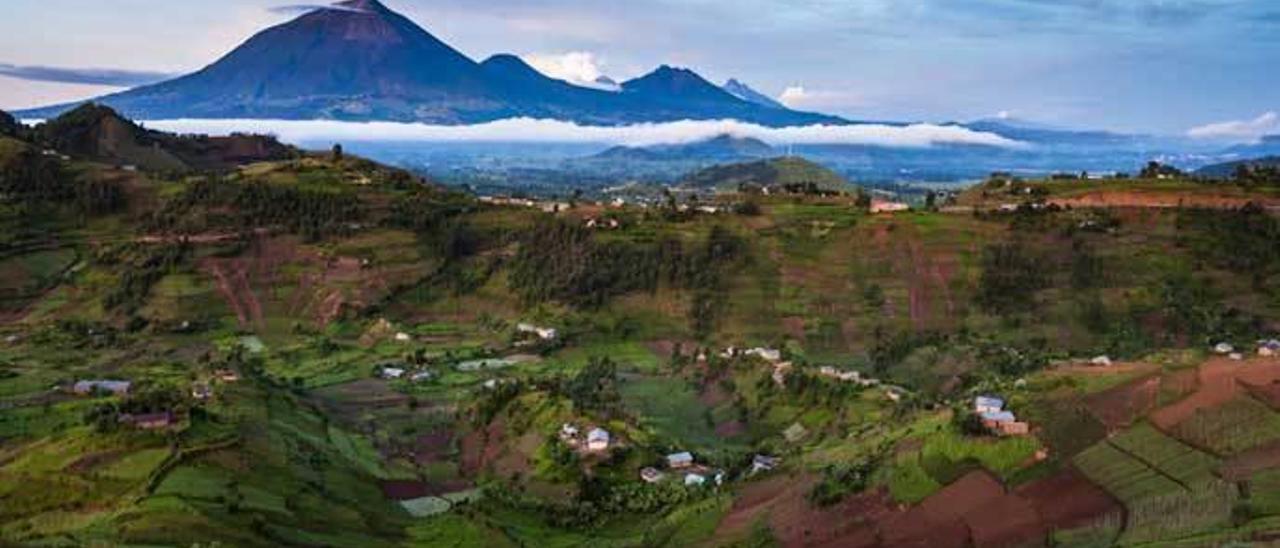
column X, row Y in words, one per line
column 337, row 152
column 1011, row 276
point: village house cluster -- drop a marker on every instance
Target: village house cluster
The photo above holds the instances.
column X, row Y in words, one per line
column 997, row 419
column 597, row 440
column 683, row 465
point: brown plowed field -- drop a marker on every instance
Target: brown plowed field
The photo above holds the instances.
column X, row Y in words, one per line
column 1221, row 380
column 1119, row 407
column 1241, row 467
column 975, row 510
column 1104, row 198
column 1068, row 499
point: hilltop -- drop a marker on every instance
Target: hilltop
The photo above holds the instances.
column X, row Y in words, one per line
column 787, row 174
column 98, row 133
column 723, row 148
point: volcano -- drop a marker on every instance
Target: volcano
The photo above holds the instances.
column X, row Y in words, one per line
column 360, row 61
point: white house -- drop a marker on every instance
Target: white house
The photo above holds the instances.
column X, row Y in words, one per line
column 692, row 480
column 680, row 460
column 987, row 404
column 544, row 333
column 1224, row 348
column 651, row 475
column 766, row 354
column 118, row 388
column 598, row 440
column 391, row 373
column 885, row 206
column 763, row 463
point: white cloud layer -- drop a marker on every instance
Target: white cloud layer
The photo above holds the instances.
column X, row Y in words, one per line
column 802, row 98
column 1239, row 130
column 576, row 67
column 555, row 131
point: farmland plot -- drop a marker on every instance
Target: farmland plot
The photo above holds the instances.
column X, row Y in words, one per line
column 1231, row 428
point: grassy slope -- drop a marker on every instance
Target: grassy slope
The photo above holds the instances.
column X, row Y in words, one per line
column 292, row 476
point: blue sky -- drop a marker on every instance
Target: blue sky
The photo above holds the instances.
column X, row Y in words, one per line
column 1163, row 66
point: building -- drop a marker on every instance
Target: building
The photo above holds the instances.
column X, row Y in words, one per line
column 651, row 475
column 766, row 354
column 544, row 333
column 201, row 391
column 1224, row 348
column 598, row 440
column 1014, row 428
column 987, row 404
column 422, row 376
column 392, row 373
column 1101, row 361
column 795, row 433
column 694, row 480
column 763, row 463
column 226, row 375
column 1269, row 349
column 994, row 420
column 677, row 461
column 885, row 206
column 152, row 421
column 117, row 388
column 844, row 376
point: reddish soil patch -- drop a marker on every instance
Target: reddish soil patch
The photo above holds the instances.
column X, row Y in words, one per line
column 1241, row 467
column 93, row 460
column 350, row 400
column 482, row 447
column 713, row 394
column 405, row 490
column 1221, row 380
column 1266, row 393
column 915, row 528
column 974, row 490
column 1109, row 199
column 1119, row 407
column 433, row 447
column 782, row 501
column 793, row 326
column 667, row 348
column 1067, row 500
column 730, row 429
column 1007, row 521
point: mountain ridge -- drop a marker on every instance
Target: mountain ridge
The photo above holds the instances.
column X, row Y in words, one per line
column 359, row 60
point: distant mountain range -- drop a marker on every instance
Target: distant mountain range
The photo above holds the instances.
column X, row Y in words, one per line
column 358, row 60
column 746, row 93
column 724, row 148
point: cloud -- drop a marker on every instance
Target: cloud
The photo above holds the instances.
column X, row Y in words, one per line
column 91, row 76
column 576, row 67
column 1239, row 130
column 802, row 98
column 527, row 130
column 298, row 9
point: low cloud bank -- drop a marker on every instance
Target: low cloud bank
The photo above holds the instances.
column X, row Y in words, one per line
column 90, row 76
column 1239, row 130
column 553, row 131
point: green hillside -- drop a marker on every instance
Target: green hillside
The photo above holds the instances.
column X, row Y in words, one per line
column 786, row 174
column 325, row 351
